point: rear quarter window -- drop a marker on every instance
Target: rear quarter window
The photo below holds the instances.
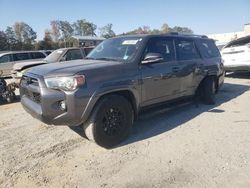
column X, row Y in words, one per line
column 208, row 48
column 37, row 55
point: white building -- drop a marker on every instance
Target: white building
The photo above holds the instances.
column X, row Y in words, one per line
column 223, row 38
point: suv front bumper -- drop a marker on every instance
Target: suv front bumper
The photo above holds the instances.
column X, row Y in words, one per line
column 44, row 103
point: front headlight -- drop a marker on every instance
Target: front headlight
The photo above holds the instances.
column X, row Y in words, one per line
column 65, row 83
column 19, row 74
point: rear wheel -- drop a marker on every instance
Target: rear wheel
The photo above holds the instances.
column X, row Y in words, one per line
column 208, row 90
column 110, row 121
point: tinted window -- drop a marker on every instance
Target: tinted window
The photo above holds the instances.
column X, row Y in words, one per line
column 47, row 52
column 239, row 42
column 208, row 48
column 73, row 54
column 164, row 46
column 87, row 50
column 21, row 56
column 5, row 59
column 37, row 55
column 185, row 49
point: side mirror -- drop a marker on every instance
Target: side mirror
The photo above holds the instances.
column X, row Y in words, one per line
column 152, row 58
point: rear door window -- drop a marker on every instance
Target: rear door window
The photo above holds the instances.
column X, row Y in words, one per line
column 208, row 48
column 21, row 56
column 37, row 55
column 73, row 54
column 186, row 50
column 161, row 45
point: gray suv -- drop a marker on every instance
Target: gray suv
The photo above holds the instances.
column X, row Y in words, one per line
column 119, row 78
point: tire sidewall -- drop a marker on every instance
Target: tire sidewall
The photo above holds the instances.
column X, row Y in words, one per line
column 209, row 90
column 100, row 137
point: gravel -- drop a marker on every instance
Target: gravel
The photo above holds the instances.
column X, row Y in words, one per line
column 183, row 146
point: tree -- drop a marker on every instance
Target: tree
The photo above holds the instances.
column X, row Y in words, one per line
column 165, row 28
column 144, row 30
column 182, row 29
column 48, row 42
column 155, row 31
column 55, row 30
column 11, row 38
column 84, row 28
column 140, row 30
column 3, row 41
column 25, row 35
column 106, row 31
column 66, row 30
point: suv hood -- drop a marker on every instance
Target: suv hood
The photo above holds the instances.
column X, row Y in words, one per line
column 69, row 68
column 22, row 64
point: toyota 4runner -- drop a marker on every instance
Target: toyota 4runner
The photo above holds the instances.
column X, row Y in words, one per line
column 106, row 91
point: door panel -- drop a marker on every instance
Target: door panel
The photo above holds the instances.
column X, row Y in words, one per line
column 160, row 81
column 189, row 61
column 190, row 76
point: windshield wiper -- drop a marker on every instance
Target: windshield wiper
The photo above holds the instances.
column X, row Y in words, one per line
column 89, row 58
column 107, row 59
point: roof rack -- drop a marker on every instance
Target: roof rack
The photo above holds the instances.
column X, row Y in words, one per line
column 187, row 34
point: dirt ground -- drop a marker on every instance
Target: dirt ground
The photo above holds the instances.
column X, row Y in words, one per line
column 185, row 146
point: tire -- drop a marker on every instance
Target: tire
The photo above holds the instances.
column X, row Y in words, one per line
column 208, row 91
column 11, row 97
column 110, row 122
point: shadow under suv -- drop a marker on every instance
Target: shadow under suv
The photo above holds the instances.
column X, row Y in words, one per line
column 121, row 76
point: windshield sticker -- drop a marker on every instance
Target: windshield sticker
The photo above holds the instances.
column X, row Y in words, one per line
column 59, row 51
column 129, row 42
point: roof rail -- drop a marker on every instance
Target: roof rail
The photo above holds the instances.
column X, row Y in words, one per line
column 187, row 34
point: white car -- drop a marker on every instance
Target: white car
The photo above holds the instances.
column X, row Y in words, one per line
column 236, row 55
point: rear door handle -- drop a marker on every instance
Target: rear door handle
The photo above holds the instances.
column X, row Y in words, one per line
column 176, row 69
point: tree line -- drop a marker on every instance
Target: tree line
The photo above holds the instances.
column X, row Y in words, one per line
column 21, row 36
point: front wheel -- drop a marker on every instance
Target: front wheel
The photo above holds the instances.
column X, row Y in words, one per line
column 110, row 121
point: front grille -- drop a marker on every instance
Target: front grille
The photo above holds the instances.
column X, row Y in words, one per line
column 30, row 88
column 36, row 97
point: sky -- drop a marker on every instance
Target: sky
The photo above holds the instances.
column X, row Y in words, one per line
column 202, row 16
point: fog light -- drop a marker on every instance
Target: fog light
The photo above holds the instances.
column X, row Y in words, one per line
column 62, row 105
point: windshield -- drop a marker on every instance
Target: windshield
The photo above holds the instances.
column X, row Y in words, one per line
column 120, row 49
column 53, row 57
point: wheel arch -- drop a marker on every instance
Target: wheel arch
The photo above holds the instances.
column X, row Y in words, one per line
column 127, row 93
column 214, row 76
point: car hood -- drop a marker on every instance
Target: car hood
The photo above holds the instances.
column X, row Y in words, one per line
column 22, row 64
column 69, row 68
